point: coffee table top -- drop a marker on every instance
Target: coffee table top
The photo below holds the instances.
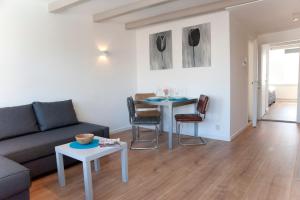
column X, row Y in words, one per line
column 89, row 154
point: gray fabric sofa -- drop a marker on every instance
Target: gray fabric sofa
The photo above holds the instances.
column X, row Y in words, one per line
column 28, row 135
column 14, row 180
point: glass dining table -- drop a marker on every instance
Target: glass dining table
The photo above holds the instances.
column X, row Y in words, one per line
column 170, row 104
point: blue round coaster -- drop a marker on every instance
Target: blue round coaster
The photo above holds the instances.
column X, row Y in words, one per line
column 93, row 144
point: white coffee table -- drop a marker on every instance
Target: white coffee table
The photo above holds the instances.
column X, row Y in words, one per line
column 86, row 156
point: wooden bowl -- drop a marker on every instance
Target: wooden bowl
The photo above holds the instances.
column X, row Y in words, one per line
column 84, row 138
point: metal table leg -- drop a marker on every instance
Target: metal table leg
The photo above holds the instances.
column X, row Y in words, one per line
column 124, row 163
column 170, row 136
column 60, row 169
column 88, row 186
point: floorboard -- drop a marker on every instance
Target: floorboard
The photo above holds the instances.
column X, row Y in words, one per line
column 282, row 110
column 262, row 163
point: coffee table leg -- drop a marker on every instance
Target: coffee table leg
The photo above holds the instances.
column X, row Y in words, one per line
column 60, row 169
column 88, row 186
column 124, row 164
column 97, row 165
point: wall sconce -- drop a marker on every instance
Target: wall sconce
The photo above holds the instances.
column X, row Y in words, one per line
column 103, row 55
column 295, row 17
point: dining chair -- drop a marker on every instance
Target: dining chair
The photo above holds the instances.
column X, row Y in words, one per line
column 137, row 121
column 146, row 110
column 193, row 118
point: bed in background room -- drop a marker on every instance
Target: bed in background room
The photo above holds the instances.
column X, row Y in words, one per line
column 272, row 95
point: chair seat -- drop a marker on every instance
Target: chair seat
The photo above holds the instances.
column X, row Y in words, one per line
column 188, row 118
column 148, row 113
column 146, row 120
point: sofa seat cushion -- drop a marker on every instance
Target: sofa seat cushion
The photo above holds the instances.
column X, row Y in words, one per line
column 30, row 147
column 52, row 115
column 14, row 178
column 16, row 121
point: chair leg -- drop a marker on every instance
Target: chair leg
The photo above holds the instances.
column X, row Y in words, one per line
column 138, row 132
column 160, row 129
column 157, row 132
column 133, row 136
column 137, row 140
column 202, row 141
column 178, row 130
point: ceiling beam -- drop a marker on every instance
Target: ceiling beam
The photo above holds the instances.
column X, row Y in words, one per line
column 188, row 12
column 59, row 5
column 129, row 8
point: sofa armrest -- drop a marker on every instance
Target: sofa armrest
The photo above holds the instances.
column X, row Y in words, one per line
column 14, row 178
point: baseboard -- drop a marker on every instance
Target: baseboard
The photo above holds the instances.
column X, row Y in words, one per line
column 283, row 121
column 213, row 137
column 232, row 137
column 118, row 130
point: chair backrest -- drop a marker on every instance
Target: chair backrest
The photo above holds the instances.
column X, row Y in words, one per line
column 202, row 104
column 142, row 96
column 131, row 109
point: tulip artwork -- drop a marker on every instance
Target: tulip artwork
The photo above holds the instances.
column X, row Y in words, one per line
column 160, row 50
column 161, row 44
column 194, row 39
column 196, row 46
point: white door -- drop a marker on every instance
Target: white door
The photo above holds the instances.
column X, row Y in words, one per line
column 255, row 84
column 298, row 100
column 253, row 81
column 263, row 86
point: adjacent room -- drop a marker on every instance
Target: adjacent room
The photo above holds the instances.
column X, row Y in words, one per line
column 149, row 99
column 283, row 76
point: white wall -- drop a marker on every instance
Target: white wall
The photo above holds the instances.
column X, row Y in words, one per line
column 213, row 81
column 238, row 77
column 49, row 57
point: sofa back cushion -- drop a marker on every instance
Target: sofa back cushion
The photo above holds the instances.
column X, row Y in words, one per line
column 16, row 121
column 52, row 115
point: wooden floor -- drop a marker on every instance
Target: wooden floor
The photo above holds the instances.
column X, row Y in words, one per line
column 262, row 163
column 282, row 110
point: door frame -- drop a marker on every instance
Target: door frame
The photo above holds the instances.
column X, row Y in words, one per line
column 298, row 95
column 257, row 84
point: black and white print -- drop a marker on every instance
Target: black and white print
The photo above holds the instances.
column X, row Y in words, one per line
column 196, row 46
column 160, row 50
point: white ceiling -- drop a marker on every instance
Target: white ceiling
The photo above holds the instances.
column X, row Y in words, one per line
column 261, row 17
column 165, row 8
column 94, row 6
column 268, row 15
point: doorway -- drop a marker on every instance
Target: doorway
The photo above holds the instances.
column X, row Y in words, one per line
column 279, row 83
